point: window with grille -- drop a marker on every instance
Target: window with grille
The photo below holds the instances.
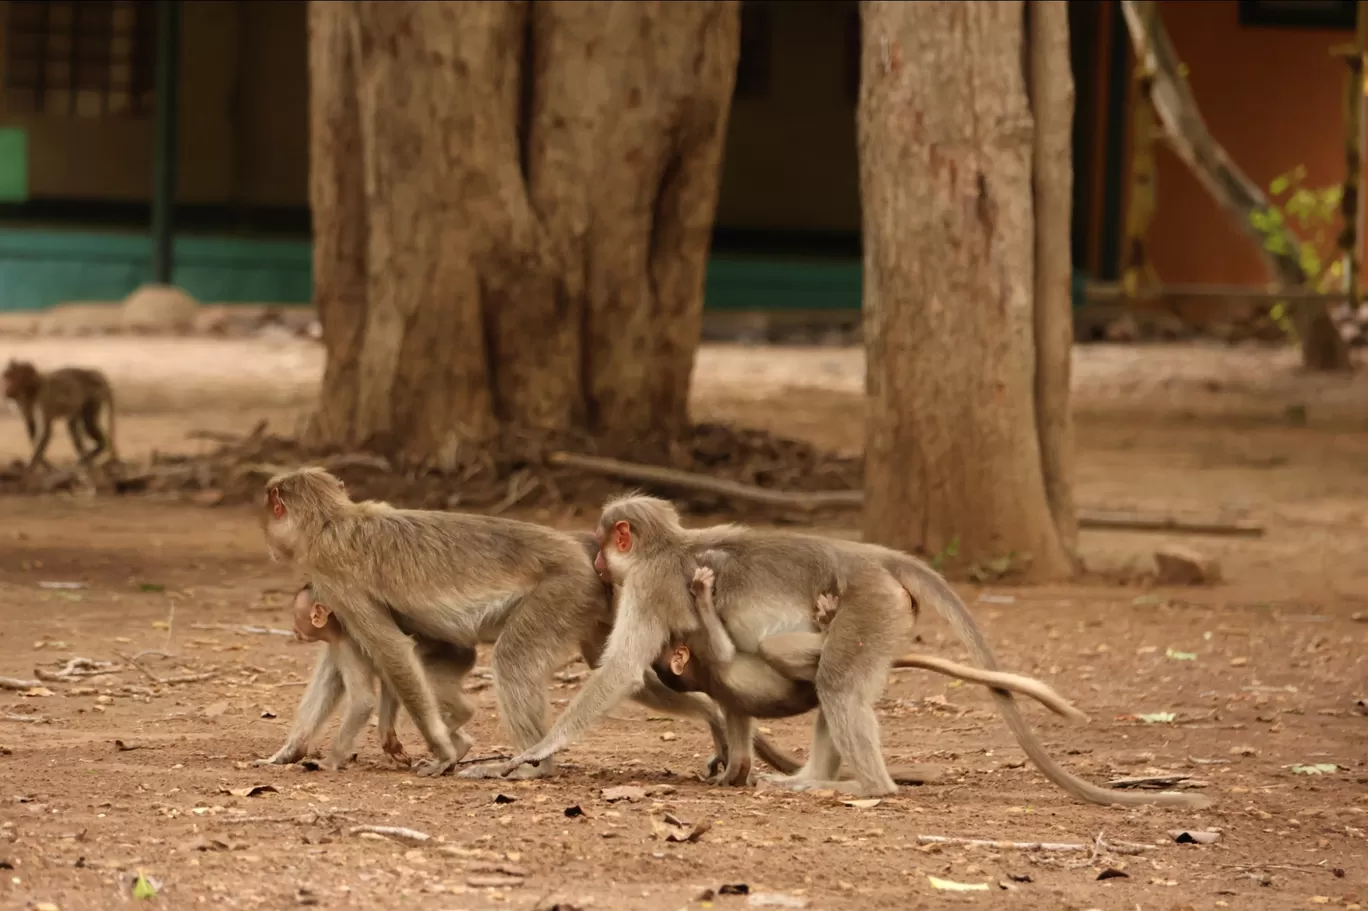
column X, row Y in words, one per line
column 80, row 58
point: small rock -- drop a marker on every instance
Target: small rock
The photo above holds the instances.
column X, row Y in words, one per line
column 1239, row 662
column 1178, row 565
column 158, row 308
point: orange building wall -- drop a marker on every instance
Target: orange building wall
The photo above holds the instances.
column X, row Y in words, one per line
column 1273, row 97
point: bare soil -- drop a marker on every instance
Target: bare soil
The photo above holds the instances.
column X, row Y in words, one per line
column 1261, row 674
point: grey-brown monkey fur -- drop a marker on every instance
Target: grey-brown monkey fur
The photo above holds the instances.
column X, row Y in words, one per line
column 75, row 394
column 464, row 579
column 776, row 578
column 344, row 673
column 777, row 681
column 788, row 661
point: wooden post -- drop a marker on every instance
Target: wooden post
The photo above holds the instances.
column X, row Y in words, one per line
column 1144, row 187
column 1351, row 205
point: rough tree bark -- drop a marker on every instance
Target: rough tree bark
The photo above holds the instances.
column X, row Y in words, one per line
column 968, row 427
column 539, row 183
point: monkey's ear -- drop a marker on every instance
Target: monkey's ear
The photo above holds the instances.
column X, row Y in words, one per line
column 275, row 503
column 679, row 659
column 318, row 615
column 622, row 536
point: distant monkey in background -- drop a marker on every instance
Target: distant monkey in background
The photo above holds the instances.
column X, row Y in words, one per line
column 75, row 394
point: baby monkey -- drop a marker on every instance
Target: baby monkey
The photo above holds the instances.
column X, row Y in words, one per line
column 75, row 394
column 345, row 671
column 777, row 682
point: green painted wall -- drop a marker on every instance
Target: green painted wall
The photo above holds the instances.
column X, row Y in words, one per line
column 42, row 268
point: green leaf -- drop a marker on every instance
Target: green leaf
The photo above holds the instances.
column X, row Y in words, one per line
column 1181, row 656
column 1157, row 717
column 143, row 889
column 1279, row 185
column 151, row 587
column 1319, row 768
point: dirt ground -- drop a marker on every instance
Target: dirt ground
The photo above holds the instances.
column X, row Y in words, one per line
column 116, row 776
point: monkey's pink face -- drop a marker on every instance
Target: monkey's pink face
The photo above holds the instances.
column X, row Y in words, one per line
column 282, row 538
column 614, row 556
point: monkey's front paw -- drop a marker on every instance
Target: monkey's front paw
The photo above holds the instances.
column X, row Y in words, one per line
column 281, row 757
column 702, row 580
column 432, row 768
column 713, row 770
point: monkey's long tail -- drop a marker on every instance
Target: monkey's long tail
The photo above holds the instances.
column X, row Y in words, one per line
column 996, row 680
column 926, row 585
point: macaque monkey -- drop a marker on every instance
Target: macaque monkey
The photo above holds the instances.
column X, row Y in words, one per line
column 345, row 673
column 462, row 579
column 773, row 580
column 777, row 682
column 75, row 394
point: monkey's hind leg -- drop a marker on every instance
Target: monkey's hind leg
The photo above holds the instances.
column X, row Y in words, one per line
column 90, row 419
column 851, row 677
column 526, row 653
column 320, row 696
column 77, row 443
column 357, row 682
column 448, row 665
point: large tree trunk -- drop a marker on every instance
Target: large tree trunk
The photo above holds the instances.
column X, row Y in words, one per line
column 540, row 181
column 955, row 449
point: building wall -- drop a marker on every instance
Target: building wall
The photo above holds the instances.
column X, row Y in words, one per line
column 243, row 118
column 244, row 122
column 1273, row 97
column 791, row 154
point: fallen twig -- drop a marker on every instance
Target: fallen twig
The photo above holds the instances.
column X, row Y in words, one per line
column 14, row 683
column 1294, row 868
column 153, row 653
column 412, row 836
column 673, row 477
column 310, row 817
column 25, row 719
column 228, row 627
column 84, row 667
column 1116, row 847
column 142, row 670
column 214, row 436
column 189, row 678
column 824, row 499
column 497, row 757
column 1158, row 781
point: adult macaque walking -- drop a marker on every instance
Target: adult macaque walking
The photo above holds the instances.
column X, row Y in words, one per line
column 344, row 672
column 772, row 582
column 75, row 394
column 464, row 579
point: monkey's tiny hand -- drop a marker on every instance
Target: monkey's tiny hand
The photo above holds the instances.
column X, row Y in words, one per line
column 702, row 580
column 286, row 755
column 714, row 768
